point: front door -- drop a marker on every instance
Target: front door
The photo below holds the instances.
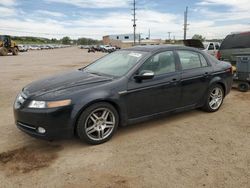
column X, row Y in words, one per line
column 159, row 94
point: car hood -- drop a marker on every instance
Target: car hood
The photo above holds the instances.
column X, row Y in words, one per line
column 64, row 81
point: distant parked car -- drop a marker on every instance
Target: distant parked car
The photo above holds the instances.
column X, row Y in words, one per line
column 211, row 48
column 208, row 47
column 22, row 48
column 121, row 88
column 108, row 48
column 34, row 47
column 91, row 49
column 237, row 44
column 44, row 47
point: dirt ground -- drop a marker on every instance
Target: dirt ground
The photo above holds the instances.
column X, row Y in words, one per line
column 190, row 149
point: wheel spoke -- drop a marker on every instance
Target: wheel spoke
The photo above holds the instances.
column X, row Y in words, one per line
column 109, row 126
column 109, row 123
column 212, row 95
column 216, row 91
column 94, row 117
column 91, row 129
column 211, row 103
column 100, row 133
column 105, row 114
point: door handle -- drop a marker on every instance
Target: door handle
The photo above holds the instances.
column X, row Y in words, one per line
column 174, row 80
column 206, row 74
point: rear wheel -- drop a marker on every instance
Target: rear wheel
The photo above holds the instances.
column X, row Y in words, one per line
column 15, row 51
column 3, row 51
column 214, row 99
column 97, row 123
column 244, row 87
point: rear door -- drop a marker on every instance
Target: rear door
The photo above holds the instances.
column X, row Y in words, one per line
column 195, row 76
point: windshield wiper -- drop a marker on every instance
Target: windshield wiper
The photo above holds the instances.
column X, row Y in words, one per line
column 96, row 73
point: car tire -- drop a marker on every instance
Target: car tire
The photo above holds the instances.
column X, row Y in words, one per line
column 214, row 98
column 3, row 51
column 243, row 87
column 97, row 123
column 15, row 51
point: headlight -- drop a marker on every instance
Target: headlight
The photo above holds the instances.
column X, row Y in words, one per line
column 49, row 104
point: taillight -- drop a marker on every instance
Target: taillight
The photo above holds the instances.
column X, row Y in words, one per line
column 218, row 55
column 230, row 70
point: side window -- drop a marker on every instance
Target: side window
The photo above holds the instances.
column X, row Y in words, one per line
column 160, row 63
column 217, row 46
column 203, row 61
column 191, row 60
column 211, row 46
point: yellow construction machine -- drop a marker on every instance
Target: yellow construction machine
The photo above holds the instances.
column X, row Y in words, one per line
column 7, row 46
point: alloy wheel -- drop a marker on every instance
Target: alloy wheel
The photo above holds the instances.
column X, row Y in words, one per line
column 100, row 124
column 215, row 99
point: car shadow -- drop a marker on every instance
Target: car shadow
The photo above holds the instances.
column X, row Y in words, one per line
column 166, row 120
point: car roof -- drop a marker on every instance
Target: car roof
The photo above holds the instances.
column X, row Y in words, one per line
column 155, row 48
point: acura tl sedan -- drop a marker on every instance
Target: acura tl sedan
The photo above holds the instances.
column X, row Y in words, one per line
column 121, row 88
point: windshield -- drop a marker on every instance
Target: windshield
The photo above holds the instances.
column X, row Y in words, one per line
column 115, row 64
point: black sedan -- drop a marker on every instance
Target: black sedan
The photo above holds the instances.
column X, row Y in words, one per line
column 124, row 87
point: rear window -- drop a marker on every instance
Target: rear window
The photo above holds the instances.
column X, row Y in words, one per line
column 235, row 41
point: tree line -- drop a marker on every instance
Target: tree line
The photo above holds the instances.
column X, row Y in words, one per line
column 65, row 40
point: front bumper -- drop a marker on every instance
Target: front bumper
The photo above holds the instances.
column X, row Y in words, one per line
column 57, row 122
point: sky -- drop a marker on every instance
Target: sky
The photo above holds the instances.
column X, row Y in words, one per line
column 96, row 18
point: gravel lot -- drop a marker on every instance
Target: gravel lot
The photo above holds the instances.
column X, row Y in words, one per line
column 190, row 149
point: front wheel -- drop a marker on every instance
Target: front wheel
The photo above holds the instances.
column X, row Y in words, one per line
column 98, row 123
column 214, row 98
column 3, row 51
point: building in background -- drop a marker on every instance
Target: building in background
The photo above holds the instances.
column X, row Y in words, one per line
column 121, row 37
column 127, row 40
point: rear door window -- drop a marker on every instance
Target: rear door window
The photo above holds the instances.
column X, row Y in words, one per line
column 234, row 41
column 191, row 60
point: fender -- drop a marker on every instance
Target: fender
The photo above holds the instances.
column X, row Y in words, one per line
column 215, row 80
column 103, row 96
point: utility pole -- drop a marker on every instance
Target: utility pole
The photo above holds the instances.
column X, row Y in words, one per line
column 169, row 33
column 185, row 23
column 134, row 21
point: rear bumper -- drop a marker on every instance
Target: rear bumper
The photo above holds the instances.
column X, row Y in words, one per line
column 56, row 122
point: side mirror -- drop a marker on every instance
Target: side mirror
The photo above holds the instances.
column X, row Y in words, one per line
column 144, row 75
